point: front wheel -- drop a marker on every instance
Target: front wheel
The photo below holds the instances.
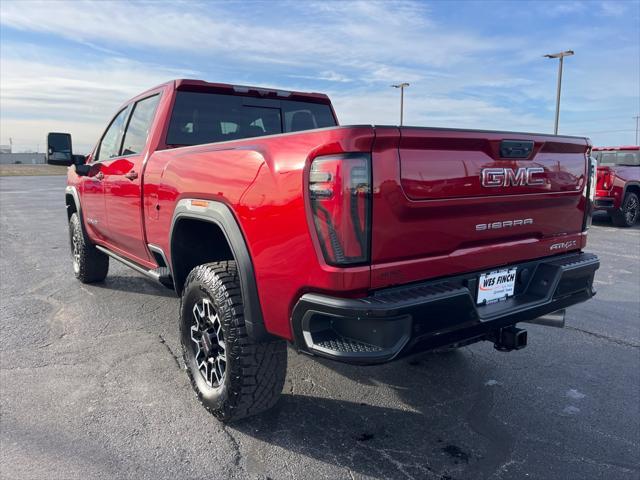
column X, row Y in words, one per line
column 89, row 264
column 232, row 376
column 629, row 213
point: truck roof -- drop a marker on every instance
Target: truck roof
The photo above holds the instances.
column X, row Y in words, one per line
column 187, row 84
column 628, row 147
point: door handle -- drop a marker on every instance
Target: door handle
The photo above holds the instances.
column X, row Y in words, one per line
column 132, row 175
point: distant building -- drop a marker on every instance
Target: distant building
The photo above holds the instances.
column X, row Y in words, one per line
column 8, row 158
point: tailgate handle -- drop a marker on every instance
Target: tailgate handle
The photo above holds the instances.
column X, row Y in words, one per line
column 516, row 148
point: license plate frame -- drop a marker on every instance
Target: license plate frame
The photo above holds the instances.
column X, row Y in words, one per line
column 496, row 285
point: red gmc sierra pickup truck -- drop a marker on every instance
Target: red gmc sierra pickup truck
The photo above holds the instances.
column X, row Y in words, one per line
column 618, row 183
column 360, row 243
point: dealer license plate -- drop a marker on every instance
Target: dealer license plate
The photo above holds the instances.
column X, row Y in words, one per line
column 496, row 286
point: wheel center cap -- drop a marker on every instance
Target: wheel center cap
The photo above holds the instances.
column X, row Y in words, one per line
column 207, row 346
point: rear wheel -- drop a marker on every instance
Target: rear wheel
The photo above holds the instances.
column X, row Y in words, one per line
column 629, row 213
column 89, row 264
column 233, row 376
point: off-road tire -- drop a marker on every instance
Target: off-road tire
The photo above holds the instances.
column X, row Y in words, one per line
column 89, row 264
column 254, row 372
column 629, row 212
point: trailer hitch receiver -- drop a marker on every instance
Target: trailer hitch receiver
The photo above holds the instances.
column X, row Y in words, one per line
column 510, row 338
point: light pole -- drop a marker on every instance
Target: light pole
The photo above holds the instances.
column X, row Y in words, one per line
column 401, row 86
column 561, row 56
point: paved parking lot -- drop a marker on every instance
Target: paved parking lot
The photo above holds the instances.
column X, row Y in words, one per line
column 92, row 386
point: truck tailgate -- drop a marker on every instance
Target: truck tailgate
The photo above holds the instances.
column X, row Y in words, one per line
column 448, row 201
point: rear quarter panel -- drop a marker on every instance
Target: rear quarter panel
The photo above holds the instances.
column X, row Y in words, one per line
column 262, row 181
column 623, row 176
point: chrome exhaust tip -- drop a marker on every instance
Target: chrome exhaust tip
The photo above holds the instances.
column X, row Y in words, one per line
column 554, row 319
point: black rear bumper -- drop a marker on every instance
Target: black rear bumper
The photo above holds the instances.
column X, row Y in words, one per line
column 401, row 320
column 604, row 204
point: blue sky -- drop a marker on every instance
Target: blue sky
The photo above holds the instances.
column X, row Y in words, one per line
column 67, row 66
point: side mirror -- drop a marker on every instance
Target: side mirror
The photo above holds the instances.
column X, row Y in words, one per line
column 79, row 159
column 83, row 170
column 59, row 150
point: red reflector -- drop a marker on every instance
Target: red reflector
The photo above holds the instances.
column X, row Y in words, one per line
column 340, row 196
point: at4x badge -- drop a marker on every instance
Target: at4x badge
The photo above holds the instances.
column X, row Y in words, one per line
column 564, row 245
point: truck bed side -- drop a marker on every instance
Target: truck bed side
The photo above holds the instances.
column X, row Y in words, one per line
column 261, row 180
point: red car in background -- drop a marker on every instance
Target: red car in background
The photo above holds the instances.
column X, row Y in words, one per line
column 618, row 183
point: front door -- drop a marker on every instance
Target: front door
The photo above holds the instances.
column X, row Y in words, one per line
column 123, row 184
column 93, row 211
column 93, row 201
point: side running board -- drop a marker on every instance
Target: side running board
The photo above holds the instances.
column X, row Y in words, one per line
column 162, row 274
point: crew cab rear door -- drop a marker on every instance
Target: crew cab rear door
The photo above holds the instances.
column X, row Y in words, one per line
column 448, row 201
column 123, row 183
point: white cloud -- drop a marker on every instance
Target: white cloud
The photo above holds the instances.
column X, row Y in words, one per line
column 39, row 97
column 328, row 75
column 340, row 33
column 459, row 77
column 614, row 9
column 423, row 109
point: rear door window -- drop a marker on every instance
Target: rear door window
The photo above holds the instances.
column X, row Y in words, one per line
column 199, row 118
column 137, row 132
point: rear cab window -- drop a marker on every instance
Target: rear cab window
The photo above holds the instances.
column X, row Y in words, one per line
column 199, row 117
column 629, row 158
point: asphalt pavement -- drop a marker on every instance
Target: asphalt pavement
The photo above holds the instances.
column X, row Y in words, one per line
column 92, row 383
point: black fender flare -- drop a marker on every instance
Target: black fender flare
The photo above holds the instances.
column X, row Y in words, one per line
column 72, row 191
column 221, row 215
column 632, row 183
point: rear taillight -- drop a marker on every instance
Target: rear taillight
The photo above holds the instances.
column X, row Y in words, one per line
column 605, row 178
column 340, row 198
column 590, row 192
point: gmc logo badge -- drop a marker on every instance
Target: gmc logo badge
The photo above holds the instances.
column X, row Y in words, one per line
column 508, row 177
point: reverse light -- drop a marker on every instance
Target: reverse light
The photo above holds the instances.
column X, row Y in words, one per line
column 340, row 198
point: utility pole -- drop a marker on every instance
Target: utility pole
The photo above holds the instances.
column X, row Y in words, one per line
column 637, row 118
column 401, row 86
column 561, row 56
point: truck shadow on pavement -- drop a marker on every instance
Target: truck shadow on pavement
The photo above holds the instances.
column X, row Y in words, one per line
column 440, row 429
column 134, row 283
column 602, row 220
